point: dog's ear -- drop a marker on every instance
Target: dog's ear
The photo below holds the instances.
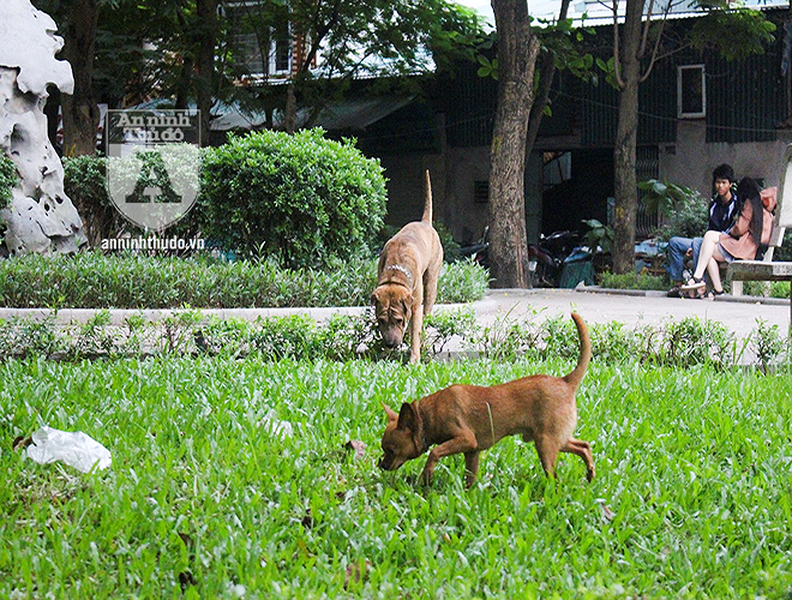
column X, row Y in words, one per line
column 392, row 416
column 374, row 297
column 409, row 418
column 407, row 307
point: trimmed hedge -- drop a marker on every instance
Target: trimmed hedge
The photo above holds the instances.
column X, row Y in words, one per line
column 95, row 280
column 300, row 198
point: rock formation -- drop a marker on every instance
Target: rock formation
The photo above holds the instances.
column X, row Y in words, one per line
column 40, row 217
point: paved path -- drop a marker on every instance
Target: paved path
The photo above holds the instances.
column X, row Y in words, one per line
column 600, row 306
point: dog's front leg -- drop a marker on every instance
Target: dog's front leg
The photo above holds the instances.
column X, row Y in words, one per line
column 464, row 442
column 416, row 325
column 472, row 466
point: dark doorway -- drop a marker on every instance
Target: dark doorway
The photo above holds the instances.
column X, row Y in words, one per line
column 577, row 185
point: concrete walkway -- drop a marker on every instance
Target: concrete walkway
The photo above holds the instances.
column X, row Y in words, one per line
column 631, row 307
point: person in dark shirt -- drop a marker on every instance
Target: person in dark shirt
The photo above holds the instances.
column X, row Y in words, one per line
column 723, row 210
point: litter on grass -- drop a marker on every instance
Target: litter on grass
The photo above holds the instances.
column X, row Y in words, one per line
column 74, row 448
column 276, row 427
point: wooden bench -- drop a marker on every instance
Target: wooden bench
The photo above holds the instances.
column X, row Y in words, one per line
column 766, row 269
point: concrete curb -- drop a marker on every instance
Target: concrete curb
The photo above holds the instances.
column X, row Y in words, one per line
column 660, row 294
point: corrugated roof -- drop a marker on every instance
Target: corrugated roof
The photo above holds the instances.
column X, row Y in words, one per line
column 347, row 115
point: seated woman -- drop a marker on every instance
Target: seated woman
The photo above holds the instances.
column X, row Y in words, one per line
column 753, row 228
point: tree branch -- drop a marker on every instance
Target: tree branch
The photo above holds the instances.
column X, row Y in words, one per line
column 616, row 58
column 656, row 48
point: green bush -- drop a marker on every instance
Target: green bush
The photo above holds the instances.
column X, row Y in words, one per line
column 8, row 179
column 84, row 180
column 687, row 217
column 784, row 252
column 773, row 289
column 300, row 198
column 632, row 281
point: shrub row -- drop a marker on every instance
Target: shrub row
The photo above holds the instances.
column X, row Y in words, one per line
column 93, row 280
column 678, row 344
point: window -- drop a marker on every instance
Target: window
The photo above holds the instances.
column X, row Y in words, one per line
column 481, row 191
column 265, row 51
column 280, row 55
column 557, row 168
column 691, row 92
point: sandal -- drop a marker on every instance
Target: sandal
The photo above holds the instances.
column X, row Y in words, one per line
column 695, row 283
column 712, row 294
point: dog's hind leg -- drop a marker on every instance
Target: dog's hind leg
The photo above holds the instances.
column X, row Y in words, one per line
column 547, row 449
column 583, row 450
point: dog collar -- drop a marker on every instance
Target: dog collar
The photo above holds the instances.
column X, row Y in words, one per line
column 400, row 269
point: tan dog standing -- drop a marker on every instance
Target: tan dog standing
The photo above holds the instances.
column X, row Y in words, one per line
column 468, row 419
column 407, row 274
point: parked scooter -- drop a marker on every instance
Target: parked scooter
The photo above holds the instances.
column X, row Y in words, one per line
column 478, row 250
column 549, row 255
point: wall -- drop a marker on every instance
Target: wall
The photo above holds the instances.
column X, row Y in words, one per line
column 690, row 161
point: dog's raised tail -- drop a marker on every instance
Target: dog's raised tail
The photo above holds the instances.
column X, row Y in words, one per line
column 576, row 376
column 427, row 213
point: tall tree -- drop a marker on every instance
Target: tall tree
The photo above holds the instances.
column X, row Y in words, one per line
column 518, row 50
column 638, row 44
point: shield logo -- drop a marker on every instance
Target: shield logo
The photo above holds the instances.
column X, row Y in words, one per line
column 153, row 165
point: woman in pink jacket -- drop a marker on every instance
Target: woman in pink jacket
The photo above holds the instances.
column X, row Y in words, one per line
column 753, row 228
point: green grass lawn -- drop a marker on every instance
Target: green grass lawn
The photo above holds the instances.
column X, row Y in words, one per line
column 693, row 495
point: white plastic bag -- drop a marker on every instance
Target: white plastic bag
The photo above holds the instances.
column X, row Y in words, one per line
column 74, row 448
column 276, row 427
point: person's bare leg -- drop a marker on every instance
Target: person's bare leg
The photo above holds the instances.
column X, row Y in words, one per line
column 709, row 250
column 713, row 270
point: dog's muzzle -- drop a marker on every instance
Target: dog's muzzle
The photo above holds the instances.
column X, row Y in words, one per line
column 392, row 339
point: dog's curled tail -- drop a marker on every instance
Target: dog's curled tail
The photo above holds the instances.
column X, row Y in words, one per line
column 427, row 213
column 576, row 376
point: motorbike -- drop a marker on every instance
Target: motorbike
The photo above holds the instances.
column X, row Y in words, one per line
column 477, row 251
column 546, row 259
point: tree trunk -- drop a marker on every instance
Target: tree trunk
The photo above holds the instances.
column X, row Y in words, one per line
column 80, row 111
column 206, row 11
column 624, row 152
column 518, row 49
column 290, row 113
column 625, row 182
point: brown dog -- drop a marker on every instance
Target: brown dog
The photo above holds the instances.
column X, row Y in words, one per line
column 407, row 274
column 468, row 419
